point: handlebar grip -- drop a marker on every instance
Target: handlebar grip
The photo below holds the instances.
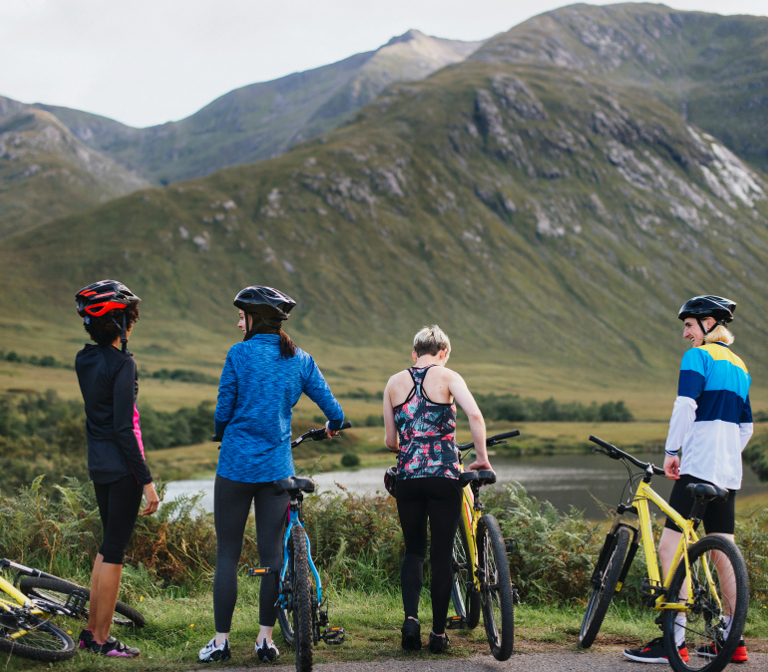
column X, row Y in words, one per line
column 345, row 425
column 216, row 437
column 603, row 444
column 505, row 435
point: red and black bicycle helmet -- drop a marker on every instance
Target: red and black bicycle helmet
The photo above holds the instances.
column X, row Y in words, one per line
column 265, row 301
column 717, row 307
column 102, row 296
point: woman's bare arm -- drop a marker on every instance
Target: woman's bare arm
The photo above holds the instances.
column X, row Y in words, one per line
column 390, row 429
column 464, row 398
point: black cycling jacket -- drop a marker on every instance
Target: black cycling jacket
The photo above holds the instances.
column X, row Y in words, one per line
column 109, row 383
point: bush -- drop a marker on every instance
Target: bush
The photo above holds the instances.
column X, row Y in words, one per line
column 350, row 460
column 514, row 408
column 756, row 455
column 185, row 376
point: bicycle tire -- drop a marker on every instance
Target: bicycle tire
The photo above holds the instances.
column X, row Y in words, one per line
column 703, row 625
column 495, row 588
column 56, row 592
column 466, row 600
column 301, row 587
column 41, row 640
column 601, row 597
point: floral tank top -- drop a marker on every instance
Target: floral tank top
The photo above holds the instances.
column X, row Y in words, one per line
column 427, row 433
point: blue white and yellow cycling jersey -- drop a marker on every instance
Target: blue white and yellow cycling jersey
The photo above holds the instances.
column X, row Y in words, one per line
column 712, row 417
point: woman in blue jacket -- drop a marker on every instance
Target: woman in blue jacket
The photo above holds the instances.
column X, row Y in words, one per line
column 262, row 380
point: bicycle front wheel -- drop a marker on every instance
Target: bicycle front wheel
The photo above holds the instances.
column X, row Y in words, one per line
column 608, row 577
column 302, row 600
column 466, row 600
column 495, row 588
column 56, row 591
column 720, row 593
column 33, row 637
column 285, row 625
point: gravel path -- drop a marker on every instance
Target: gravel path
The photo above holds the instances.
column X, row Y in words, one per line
column 564, row 661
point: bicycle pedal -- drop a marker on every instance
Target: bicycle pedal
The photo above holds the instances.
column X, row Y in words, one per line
column 260, row 571
column 516, row 596
column 455, row 623
column 76, row 601
column 334, row 636
column 651, row 591
column 511, row 546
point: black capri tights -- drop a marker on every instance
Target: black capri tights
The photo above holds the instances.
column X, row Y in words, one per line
column 119, row 503
column 439, row 500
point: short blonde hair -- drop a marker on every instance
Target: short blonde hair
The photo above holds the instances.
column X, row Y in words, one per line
column 719, row 333
column 430, row 341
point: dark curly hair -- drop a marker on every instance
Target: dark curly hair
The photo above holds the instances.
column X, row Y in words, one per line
column 104, row 331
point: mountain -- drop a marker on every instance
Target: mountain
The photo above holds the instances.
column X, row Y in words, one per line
column 540, row 215
column 46, row 172
column 711, row 69
column 264, row 120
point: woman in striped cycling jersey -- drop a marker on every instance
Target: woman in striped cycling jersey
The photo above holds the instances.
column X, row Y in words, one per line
column 712, row 422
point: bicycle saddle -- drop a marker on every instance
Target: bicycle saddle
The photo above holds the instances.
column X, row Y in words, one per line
column 293, row 484
column 485, row 476
column 707, row 492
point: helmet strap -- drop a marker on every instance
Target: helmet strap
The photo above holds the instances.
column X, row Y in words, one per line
column 123, row 332
column 718, row 323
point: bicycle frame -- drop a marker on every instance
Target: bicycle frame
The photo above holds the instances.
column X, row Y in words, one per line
column 470, row 518
column 293, row 519
column 642, row 497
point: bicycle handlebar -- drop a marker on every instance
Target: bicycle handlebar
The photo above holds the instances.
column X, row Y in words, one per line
column 615, row 454
column 491, row 440
column 318, row 434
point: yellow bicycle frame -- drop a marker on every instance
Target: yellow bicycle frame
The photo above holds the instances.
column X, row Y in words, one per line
column 470, row 518
column 8, row 589
column 643, row 495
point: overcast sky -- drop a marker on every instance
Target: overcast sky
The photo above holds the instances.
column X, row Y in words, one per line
column 145, row 62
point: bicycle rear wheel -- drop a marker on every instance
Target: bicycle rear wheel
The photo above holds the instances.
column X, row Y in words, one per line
column 602, row 594
column 466, row 600
column 495, row 588
column 56, row 591
column 302, row 600
column 32, row 637
column 707, row 649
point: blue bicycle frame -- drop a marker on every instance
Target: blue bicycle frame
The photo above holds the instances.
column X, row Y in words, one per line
column 293, row 519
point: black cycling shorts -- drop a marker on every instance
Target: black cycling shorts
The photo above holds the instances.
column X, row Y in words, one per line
column 718, row 516
column 119, row 504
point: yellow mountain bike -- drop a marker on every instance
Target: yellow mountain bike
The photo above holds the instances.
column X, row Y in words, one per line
column 480, row 566
column 25, row 627
column 707, row 580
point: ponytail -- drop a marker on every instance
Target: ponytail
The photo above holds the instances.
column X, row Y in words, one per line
column 287, row 346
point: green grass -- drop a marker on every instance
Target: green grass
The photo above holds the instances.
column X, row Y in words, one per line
column 178, row 627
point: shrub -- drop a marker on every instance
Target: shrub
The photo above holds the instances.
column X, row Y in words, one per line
column 350, row 460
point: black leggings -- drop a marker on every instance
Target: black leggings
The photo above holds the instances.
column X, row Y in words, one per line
column 119, row 503
column 231, row 505
column 438, row 499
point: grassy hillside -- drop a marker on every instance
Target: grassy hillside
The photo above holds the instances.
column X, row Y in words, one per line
column 265, row 119
column 46, row 172
column 545, row 220
column 711, row 69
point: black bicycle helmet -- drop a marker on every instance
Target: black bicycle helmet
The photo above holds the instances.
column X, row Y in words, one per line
column 717, row 307
column 102, row 296
column 265, row 301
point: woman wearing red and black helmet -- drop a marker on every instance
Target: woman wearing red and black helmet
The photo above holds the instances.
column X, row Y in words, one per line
column 109, row 384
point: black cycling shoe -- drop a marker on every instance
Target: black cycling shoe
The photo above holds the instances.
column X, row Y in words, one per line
column 438, row 643
column 411, row 634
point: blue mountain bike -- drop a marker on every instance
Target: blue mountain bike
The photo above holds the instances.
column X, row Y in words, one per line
column 302, row 608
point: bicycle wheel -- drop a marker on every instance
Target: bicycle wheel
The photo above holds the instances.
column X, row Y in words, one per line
column 56, row 591
column 495, row 588
column 466, row 601
column 302, row 600
column 284, row 619
column 601, row 596
column 33, row 637
column 706, row 649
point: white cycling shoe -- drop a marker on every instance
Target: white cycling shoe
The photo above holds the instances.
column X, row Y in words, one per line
column 267, row 652
column 212, row 653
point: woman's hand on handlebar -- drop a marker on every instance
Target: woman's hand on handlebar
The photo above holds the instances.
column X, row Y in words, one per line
column 330, row 433
column 479, row 465
column 153, row 501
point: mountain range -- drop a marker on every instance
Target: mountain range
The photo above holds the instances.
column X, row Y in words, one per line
column 530, row 202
